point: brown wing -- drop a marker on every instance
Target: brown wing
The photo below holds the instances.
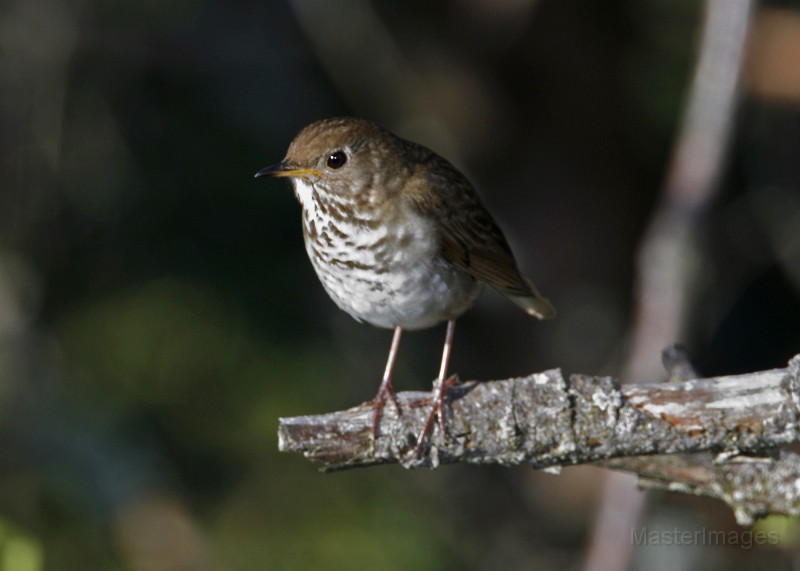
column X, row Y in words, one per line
column 471, row 238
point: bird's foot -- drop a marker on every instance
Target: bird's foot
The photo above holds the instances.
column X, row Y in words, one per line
column 386, row 391
column 436, row 411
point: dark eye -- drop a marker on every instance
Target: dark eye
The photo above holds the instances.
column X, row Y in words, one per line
column 337, row 159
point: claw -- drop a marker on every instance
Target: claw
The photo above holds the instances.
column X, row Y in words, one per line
column 443, row 382
column 386, row 392
column 437, row 411
column 387, row 388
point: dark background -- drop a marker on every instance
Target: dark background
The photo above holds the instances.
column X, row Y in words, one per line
column 158, row 312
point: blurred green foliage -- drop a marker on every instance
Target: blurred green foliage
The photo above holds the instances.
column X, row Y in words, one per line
column 19, row 550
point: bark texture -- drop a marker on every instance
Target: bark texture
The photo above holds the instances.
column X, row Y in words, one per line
column 549, row 421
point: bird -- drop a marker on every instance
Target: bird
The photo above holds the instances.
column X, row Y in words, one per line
column 399, row 238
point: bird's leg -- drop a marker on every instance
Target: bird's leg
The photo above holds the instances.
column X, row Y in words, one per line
column 386, row 389
column 441, row 385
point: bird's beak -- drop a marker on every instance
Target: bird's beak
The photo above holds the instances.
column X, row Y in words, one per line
column 285, row 169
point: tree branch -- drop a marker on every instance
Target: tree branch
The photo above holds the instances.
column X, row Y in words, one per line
column 548, row 421
column 752, row 486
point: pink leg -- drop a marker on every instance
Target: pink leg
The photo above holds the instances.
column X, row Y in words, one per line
column 386, row 389
column 442, row 384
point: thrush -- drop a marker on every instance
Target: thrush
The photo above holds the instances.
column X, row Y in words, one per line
column 399, row 239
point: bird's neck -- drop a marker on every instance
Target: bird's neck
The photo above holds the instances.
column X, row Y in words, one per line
column 340, row 216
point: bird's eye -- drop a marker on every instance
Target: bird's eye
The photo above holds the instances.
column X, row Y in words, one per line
column 337, row 159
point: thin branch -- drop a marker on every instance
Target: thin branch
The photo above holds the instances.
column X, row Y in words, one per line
column 753, row 486
column 668, row 261
column 668, row 258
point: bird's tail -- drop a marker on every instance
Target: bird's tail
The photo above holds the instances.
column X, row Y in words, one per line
column 534, row 303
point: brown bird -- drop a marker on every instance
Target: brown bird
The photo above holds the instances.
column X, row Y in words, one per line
column 398, row 237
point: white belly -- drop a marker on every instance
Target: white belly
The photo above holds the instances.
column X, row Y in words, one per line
column 413, row 297
column 385, row 277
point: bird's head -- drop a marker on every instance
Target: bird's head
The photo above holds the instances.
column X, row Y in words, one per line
column 351, row 159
